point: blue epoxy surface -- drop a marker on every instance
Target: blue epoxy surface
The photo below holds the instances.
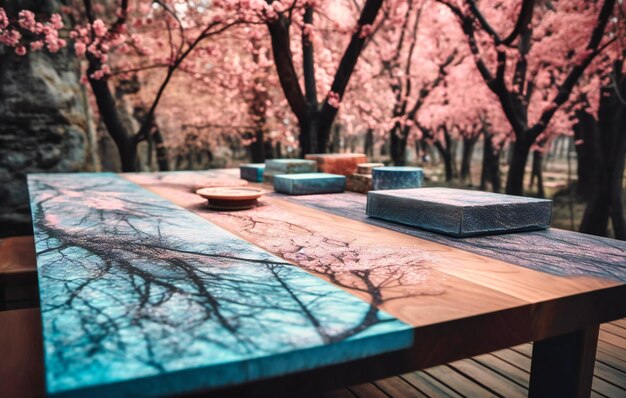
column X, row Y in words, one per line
column 311, row 176
column 140, row 297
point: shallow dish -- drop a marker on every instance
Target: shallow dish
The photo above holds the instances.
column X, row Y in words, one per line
column 231, row 198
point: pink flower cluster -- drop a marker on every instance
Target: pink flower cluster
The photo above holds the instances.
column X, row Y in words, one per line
column 97, row 44
column 44, row 33
column 333, row 99
column 365, row 31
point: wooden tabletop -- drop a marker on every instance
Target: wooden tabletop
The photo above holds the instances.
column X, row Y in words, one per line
column 463, row 296
column 460, row 297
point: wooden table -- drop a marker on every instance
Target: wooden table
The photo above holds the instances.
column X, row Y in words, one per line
column 454, row 298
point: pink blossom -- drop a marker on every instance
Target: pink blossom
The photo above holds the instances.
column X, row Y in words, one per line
column 20, row 50
column 4, row 20
column 365, row 31
column 99, row 28
column 80, row 48
column 10, row 37
column 26, row 20
column 56, row 21
column 36, row 45
column 333, row 99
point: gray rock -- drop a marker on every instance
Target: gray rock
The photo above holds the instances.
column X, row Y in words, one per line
column 43, row 126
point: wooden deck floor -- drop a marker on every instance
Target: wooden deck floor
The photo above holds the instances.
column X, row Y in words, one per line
column 502, row 373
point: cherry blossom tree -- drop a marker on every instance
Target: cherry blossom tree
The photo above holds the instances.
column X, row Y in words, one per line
column 571, row 31
column 315, row 119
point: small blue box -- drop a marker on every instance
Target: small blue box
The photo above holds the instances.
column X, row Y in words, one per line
column 397, row 178
column 309, row 183
column 252, row 172
column 275, row 167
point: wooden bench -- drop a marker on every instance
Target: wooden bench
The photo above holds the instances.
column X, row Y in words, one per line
column 18, row 273
column 505, row 372
column 21, row 354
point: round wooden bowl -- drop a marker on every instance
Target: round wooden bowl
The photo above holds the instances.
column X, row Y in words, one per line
column 231, row 198
column 217, row 183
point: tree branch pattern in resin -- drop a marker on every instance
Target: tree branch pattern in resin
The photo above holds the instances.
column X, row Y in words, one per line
column 141, row 295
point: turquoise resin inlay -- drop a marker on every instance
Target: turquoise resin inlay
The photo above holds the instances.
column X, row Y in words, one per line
column 140, row 297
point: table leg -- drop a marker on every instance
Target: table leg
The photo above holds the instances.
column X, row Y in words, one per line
column 562, row 366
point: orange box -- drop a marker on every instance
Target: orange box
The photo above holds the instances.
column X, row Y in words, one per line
column 337, row 163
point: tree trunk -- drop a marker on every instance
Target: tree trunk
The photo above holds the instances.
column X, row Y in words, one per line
column 607, row 201
column 335, row 146
column 447, row 160
column 398, row 146
column 517, row 168
column 466, row 161
column 587, row 151
column 491, row 164
column 257, row 148
column 161, row 150
column 537, row 174
column 368, row 146
column 124, row 140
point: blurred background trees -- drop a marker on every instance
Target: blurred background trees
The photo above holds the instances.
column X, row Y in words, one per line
column 520, row 96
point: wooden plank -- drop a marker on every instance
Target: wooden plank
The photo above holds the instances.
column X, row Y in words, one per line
column 614, row 329
column 341, row 393
column 620, row 322
column 527, row 285
column 141, row 297
column 457, row 382
column 613, row 339
column 563, row 365
column 21, row 353
column 397, row 387
column 368, row 390
column 429, row 385
column 489, row 379
column 525, row 349
column 556, row 251
column 17, row 255
column 514, row 358
column 607, row 357
column 607, row 389
column 504, row 368
column 610, row 374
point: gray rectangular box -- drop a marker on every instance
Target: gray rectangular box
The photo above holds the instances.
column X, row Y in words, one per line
column 460, row 213
column 309, row 183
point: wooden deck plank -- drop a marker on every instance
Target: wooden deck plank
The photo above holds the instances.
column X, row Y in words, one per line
column 513, row 357
column 457, row 382
column 607, row 357
column 368, row 390
column 614, row 340
column 620, row 322
column 504, row 368
column 489, row 379
column 610, row 375
column 614, row 329
column 397, row 387
column 341, row 393
column 494, row 373
column 607, row 389
column 429, row 385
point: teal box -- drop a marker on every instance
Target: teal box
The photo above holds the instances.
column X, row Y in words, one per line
column 275, row 167
column 309, row 183
column 252, row 172
column 397, row 178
